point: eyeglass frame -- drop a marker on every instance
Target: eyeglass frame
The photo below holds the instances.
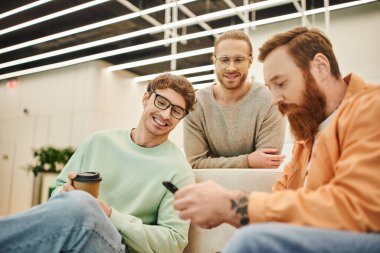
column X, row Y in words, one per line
column 217, row 59
column 170, row 104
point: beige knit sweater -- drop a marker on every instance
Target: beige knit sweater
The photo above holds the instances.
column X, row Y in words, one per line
column 222, row 137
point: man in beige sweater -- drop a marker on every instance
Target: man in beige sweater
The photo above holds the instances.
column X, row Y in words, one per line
column 234, row 124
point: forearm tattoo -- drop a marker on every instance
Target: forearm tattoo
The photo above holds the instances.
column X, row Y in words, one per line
column 240, row 205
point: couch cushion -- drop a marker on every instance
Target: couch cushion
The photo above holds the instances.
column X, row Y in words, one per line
column 213, row 240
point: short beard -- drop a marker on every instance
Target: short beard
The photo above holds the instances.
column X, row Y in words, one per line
column 237, row 86
column 304, row 119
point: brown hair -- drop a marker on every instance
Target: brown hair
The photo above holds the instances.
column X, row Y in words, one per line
column 179, row 84
column 302, row 44
column 234, row 35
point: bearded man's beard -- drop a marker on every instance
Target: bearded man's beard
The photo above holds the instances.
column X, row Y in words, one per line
column 228, row 86
column 304, row 119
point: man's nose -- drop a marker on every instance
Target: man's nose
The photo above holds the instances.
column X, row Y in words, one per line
column 167, row 113
column 277, row 98
column 231, row 65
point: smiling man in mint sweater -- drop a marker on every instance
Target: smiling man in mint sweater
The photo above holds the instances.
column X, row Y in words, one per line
column 134, row 212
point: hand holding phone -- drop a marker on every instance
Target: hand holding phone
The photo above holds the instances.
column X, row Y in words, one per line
column 170, row 186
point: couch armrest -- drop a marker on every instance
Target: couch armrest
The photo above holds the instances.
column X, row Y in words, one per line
column 213, row 240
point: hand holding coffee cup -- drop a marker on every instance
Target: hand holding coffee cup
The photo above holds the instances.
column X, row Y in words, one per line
column 87, row 181
column 69, row 185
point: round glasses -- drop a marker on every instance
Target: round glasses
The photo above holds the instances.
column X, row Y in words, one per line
column 163, row 103
column 225, row 61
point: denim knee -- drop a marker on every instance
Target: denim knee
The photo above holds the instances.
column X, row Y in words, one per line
column 79, row 198
column 256, row 231
column 80, row 207
column 263, row 233
column 251, row 238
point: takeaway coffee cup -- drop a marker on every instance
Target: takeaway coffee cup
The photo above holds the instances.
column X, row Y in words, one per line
column 88, row 181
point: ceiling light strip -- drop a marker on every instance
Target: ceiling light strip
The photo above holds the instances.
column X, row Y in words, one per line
column 339, row 6
column 162, row 59
column 51, row 16
column 176, row 72
column 113, row 52
column 92, row 26
column 216, row 31
column 23, row 8
column 95, row 57
column 206, row 17
column 225, row 13
column 104, row 54
column 69, row 32
column 110, row 53
column 57, row 52
column 132, row 48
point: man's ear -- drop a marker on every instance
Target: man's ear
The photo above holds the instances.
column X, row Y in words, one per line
column 213, row 59
column 320, row 66
column 145, row 99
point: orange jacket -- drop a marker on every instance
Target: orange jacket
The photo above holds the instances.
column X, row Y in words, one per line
column 343, row 190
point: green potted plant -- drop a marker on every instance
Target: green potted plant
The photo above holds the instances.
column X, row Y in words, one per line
column 47, row 161
column 50, row 159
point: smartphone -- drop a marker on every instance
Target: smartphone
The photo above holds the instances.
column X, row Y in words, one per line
column 170, row 186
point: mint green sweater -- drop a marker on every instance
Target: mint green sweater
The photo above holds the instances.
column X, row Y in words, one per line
column 142, row 209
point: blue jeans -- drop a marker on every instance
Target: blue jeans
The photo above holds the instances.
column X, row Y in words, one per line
column 285, row 238
column 69, row 222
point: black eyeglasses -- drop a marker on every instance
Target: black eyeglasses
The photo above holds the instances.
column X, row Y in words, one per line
column 163, row 103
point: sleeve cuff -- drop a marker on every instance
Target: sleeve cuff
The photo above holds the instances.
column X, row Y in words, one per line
column 116, row 217
column 56, row 191
column 257, row 210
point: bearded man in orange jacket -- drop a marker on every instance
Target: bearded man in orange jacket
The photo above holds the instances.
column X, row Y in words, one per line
column 328, row 198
